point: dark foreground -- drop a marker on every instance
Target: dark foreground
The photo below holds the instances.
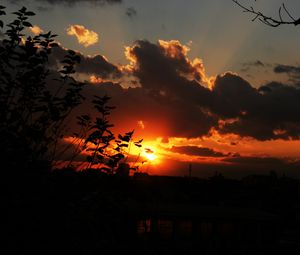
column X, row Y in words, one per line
column 65, row 212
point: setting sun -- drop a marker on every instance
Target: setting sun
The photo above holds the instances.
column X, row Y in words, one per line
column 150, row 157
column 149, row 154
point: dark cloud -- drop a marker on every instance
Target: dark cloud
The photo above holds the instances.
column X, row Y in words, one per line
column 233, row 96
column 169, row 78
column 256, row 63
column 197, row 151
column 73, row 2
column 170, row 98
column 131, row 12
column 287, row 69
column 162, row 116
column 96, row 65
column 276, row 114
column 172, row 87
column 292, row 71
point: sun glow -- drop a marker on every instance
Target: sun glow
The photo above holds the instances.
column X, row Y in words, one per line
column 150, row 157
column 149, row 154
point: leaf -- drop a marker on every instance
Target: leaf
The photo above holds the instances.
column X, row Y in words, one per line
column 29, row 13
column 27, row 24
column 126, row 138
column 23, row 9
column 130, row 133
column 16, row 22
column 46, row 35
column 17, row 13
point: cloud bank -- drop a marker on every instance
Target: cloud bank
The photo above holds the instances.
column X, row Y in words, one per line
column 197, row 151
column 175, row 98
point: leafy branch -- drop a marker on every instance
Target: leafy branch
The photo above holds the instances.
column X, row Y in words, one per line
column 106, row 152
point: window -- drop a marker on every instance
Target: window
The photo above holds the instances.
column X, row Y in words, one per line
column 143, row 227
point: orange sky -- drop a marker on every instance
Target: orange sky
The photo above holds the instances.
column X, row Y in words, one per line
column 213, row 148
column 224, row 97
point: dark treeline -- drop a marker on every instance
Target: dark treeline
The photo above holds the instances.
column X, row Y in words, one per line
column 91, row 212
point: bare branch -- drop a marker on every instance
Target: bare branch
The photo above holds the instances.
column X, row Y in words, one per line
column 288, row 13
column 270, row 21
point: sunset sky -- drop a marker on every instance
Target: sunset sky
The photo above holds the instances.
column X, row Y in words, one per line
column 200, row 82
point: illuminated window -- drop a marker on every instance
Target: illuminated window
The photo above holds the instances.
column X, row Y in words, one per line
column 143, row 226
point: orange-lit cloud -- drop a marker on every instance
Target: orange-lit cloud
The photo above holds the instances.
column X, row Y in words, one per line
column 36, row 30
column 173, row 101
column 84, row 36
column 174, row 49
column 95, row 79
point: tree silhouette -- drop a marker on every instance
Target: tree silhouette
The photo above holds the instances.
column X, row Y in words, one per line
column 271, row 21
column 107, row 152
column 34, row 114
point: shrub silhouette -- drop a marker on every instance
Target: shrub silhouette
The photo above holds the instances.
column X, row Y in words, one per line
column 33, row 114
column 105, row 152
